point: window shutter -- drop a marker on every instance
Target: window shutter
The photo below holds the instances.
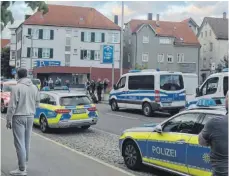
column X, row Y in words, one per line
column 40, row 33
column 92, row 37
column 28, row 52
column 92, row 55
column 51, row 34
column 51, row 53
column 39, row 52
column 103, row 37
column 82, row 36
column 81, row 54
column 29, row 31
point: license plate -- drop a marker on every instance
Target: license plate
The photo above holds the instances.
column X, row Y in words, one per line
column 166, row 104
column 79, row 111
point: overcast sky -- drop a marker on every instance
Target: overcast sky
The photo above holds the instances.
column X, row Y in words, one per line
column 168, row 10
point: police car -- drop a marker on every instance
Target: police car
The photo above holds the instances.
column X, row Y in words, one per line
column 171, row 145
column 62, row 109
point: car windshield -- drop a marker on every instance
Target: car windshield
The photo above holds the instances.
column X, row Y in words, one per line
column 171, row 82
column 74, row 101
column 7, row 87
column 36, row 81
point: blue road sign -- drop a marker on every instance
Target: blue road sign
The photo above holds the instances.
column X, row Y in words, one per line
column 45, row 63
column 13, row 71
column 108, row 54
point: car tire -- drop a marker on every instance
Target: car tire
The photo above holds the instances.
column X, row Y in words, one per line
column 44, row 124
column 132, row 156
column 114, row 105
column 147, row 109
column 85, row 127
column 3, row 108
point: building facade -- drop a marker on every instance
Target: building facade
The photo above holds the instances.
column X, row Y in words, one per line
column 192, row 24
column 170, row 46
column 213, row 37
column 71, row 48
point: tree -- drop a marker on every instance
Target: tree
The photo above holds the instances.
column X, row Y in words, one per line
column 6, row 15
column 223, row 64
column 5, row 63
column 141, row 67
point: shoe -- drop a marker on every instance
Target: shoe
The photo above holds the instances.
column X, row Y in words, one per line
column 19, row 172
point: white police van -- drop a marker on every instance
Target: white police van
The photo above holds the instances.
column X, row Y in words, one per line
column 149, row 90
column 215, row 87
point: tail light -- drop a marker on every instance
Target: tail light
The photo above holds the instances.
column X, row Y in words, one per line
column 92, row 109
column 62, row 111
column 157, row 95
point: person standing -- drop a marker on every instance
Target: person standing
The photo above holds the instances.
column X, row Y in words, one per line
column 22, row 106
column 99, row 89
column 215, row 135
column 50, row 83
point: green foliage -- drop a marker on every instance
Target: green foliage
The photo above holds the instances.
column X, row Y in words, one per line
column 5, row 59
column 223, row 64
column 141, row 67
column 6, row 15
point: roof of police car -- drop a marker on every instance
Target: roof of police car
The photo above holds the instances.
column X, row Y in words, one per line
column 208, row 110
column 150, row 71
column 63, row 93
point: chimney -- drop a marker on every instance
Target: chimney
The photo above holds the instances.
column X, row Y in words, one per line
column 150, row 16
column 224, row 15
column 27, row 16
column 116, row 19
column 157, row 22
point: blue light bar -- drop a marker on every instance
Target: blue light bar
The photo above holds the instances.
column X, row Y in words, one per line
column 134, row 71
column 225, row 70
column 205, row 102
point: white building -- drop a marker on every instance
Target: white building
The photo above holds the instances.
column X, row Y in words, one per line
column 213, row 37
column 13, row 50
column 67, row 42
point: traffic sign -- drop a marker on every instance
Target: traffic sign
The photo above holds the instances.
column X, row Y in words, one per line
column 45, row 63
column 108, row 54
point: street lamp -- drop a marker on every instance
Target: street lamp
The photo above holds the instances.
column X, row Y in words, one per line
column 31, row 51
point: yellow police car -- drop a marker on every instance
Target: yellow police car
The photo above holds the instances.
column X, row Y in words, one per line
column 171, row 145
column 63, row 109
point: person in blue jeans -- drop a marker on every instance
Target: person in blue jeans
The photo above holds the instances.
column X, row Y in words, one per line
column 22, row 106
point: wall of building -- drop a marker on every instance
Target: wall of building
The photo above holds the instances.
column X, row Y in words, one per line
column 59, row 42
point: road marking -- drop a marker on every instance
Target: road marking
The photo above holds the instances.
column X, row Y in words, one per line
column 82, row 154
column 133, row 118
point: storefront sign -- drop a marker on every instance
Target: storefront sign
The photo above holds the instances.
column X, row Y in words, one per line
column 45, row 63
column 108, row 54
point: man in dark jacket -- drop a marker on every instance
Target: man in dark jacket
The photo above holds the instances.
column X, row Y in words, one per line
column 99, row 90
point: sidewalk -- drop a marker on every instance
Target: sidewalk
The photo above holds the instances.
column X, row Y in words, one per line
column 50, row 159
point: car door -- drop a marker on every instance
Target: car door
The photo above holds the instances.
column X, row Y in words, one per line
column 198, row 158
column 121, row 92
column 168, row 147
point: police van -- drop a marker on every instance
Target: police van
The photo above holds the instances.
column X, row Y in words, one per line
column 149, row 90
column 215, row 87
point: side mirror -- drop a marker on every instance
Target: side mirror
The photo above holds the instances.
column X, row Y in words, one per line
column 114, row 87
column 158, row 129
column 197, row 91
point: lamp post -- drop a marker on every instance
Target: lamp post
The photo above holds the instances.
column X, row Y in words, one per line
column 121, row 59
column 31, row 50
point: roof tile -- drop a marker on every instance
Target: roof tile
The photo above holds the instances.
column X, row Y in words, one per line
column 4, row 42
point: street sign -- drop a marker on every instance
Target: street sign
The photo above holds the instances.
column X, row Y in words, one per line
column 45, row 63
column 108, row 54
column 13, row 71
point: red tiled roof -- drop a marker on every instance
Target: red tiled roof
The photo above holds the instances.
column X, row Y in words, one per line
column 4, row 42
column 173, row 29
column 72, row 16
column 186, row 20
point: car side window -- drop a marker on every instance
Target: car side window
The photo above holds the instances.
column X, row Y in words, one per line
column 43, row 98
column 183, row 123
column 210, row 87
column 51, row 100
column 121, row 83
column 205, row 119
column 225, row 85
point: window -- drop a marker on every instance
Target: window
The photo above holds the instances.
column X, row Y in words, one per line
column 75, row 33
column 210, row 33
column 92, row 55
column 145, row 82
column 87, row 36
column 171, row 82
column 164, row 40
column 97, row 55
column 88, row 54
column 225, row 85
column 145, row 39
column 35, row 33
column 13, row 55
column 145, row 57
column 201, row 34
column 83, row 54
column 180, row 57
column 210, row 86
column 67, row 59
column 114, row 37
column 67, row 48
column 206, row 33
column 45, row 53
column 46, row 34
column 204, row 63
column 160, row 57
column 68, row 41
column 121, row 83
column 74, row 101
column 211, row 46
column 98, row 37
column 68, row 32
column 35, row 52
column 128, row 57
column 51, row 100
column 44, row 98
column 183, row 123
column 170, row 58
column 92, row 37
column 75, row 51
column 206, row 118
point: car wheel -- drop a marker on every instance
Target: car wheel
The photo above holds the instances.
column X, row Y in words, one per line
column 132, row 156
column 44, row 124
column 114, row 105
column 3, row 108
column 85, row 127
column 147, row 109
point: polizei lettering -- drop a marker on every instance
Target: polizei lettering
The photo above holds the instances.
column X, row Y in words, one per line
column 164, row 151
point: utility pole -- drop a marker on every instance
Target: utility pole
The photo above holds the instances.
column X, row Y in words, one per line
column 121, row 58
